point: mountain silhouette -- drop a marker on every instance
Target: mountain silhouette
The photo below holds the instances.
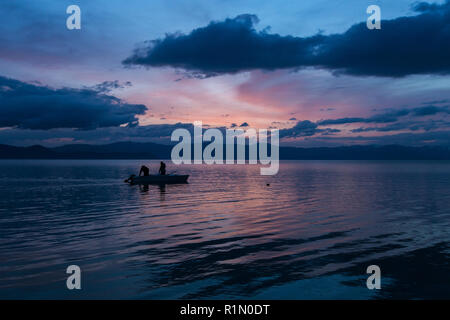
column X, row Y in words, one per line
column 137, row 150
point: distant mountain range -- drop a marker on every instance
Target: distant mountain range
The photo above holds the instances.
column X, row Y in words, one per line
column 135, row 150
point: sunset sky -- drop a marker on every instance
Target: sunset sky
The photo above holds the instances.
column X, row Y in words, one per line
column 139, row 69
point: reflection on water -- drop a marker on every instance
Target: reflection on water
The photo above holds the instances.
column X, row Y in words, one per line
column 144, row 188
column 310, row 233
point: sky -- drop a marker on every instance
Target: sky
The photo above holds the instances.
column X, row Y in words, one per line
column 137, row 70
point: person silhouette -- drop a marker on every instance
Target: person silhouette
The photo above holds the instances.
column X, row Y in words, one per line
column 144, row 170
column 162, row 168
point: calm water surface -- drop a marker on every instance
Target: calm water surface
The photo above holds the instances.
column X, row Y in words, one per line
column 310, row 234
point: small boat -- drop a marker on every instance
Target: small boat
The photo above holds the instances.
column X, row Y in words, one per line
column 158, row 179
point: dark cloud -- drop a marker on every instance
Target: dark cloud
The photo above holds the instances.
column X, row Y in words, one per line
column 436, row 101
column 228, row 46
column 108, row 86
column 417, row 44
column 393, row 120
column 425, row 7
column 30, row 106
column 328, row 131
column 406, row 45
column 341, row 121
column 391, row 116
column 430, row 110
column 305, row 128
column 159, row 133
column 407, row 125
column 245, row 124
column 413, row 119
column 293, row 119
column 439, row 137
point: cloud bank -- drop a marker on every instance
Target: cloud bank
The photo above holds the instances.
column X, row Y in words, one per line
column 29, row 106
column 391, row 116
column 404, row 46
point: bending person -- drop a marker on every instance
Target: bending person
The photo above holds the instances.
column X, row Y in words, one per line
column 144, row 170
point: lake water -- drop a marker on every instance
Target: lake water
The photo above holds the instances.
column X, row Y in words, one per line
column 310, row 234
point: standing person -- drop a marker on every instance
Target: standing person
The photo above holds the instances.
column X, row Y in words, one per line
column 162, row 168
column 145, row 170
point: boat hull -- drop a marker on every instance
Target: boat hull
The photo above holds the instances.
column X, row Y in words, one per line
column 159, row 179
